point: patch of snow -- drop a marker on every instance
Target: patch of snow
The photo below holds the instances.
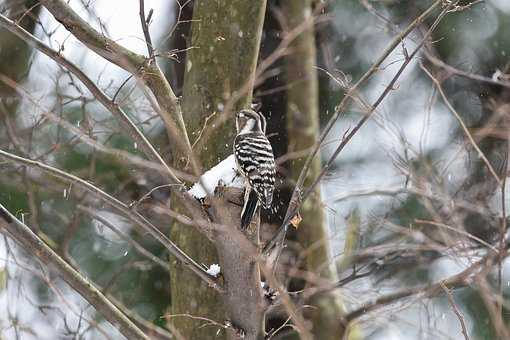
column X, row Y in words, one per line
column 214, row 270
column 223, row 173
column 496, row 76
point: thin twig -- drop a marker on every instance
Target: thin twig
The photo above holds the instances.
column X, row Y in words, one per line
column 145, row 27
column 502, row 231
column 411, row 191
column 455, row 71
column 298, row 196
column 121, row 86
column 459, row 231
column 149, row 74
column 119, row 206
column 455, row 281
column 38, row 248
column 147, row 195
column 462, row 124
column 209, row 322
column 456, row 310
column 133, row 130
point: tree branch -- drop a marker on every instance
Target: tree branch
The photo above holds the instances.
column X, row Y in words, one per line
column 145, row 27
column 298, row 196
column 457, row 72
column 456, row 310
column 136, row 64
column 455, row 281
column 462, row 124
column 119, row 206
column 40, row 250
column 108, row 103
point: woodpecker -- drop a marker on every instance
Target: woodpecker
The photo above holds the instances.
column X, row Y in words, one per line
column 255, row 162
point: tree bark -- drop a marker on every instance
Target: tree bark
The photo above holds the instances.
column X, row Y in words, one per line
column 225, row 44
column 242, row 298
column 302, row 131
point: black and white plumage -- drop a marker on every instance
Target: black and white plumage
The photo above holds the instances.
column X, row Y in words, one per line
column 255, row 161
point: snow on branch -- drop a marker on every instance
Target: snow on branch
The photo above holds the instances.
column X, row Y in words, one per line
column 223, row 173
column 214, row 270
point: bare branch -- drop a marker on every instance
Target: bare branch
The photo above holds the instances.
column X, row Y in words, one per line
column 136, row 64
column 456, row 310
column 455, row 71
column 459, row 231
column 298, row 196
column 145, row 21
column 462, row 124
column 119, row 206
column 132, row 129
column 36, row 247
column 456, row 281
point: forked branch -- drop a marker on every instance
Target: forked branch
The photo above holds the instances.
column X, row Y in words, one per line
column 134, row 63
column 120, row 207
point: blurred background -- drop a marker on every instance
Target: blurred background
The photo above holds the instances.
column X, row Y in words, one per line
column 409, row 201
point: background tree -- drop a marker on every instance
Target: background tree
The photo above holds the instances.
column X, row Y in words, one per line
column 302, row 134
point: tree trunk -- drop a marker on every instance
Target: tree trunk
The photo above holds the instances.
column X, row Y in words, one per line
column 302, row 131
column 225, row 43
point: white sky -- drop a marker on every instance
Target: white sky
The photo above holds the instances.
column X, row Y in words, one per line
column 123, row 22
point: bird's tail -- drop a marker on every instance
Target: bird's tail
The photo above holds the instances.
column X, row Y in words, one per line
column 250, row 207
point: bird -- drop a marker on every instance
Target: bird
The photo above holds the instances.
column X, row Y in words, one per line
column 255, row 162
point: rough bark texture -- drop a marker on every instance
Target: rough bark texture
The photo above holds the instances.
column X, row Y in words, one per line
column 242, row 298
column 225, row 41
column 302, row 131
